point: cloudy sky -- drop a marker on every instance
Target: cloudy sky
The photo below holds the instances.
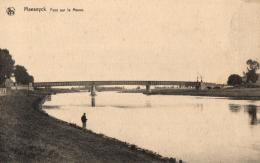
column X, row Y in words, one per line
column 133, row 39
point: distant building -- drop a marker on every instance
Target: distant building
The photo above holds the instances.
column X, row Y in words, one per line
column 9, row 83
column 204, row 85
column 3, row 91
column 6, row 87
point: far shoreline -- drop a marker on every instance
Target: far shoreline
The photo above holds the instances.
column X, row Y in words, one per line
column 233, row 93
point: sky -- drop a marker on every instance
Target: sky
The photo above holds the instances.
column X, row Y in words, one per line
column 133, row 39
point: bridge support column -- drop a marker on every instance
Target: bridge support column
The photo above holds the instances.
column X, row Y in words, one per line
column 93, row 94
column 148, row 88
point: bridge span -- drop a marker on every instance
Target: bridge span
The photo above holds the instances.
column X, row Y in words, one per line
column 93, row 84
column 122, row 82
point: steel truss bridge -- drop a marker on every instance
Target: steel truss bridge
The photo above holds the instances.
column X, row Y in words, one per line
column 125, row 82
column 93, row 84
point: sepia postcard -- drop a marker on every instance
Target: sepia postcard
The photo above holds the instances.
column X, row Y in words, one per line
column 130, row 81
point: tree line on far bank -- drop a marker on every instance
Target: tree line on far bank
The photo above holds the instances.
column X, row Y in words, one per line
column 249, row 77
column 8, row 69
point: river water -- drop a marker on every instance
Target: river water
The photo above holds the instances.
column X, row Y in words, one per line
column 195, row 129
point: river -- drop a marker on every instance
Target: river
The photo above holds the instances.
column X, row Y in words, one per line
column 195, row 129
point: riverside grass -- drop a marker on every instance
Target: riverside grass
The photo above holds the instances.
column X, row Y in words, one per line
column 27, row 134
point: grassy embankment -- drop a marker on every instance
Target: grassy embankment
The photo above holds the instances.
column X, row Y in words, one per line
column 27, row 134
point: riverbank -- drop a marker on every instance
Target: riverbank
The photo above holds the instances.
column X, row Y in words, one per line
column 238, row 93
column 27, row 134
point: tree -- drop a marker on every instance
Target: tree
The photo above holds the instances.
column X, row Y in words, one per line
column 251, row 75
column 234, row 80
column 21, row 75
column 6, row 65
column 252, row 64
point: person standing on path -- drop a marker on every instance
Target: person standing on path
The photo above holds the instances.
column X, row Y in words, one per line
column 84, row 120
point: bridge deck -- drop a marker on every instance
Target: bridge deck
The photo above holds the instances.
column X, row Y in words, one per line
column 89, row 83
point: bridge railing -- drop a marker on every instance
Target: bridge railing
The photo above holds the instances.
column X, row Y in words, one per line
column 89, row 83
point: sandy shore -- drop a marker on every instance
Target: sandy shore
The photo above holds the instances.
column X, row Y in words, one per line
column 27, row 134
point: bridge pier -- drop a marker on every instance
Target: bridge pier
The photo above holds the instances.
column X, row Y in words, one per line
column 93, row 90
column 148, row 88
column 93, row 94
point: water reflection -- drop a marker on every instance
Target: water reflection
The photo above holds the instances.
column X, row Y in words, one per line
column 199, row 106
column 93, row 101
column 234, row 107
column 148, row 104
column 51, row 107
column 250, row 109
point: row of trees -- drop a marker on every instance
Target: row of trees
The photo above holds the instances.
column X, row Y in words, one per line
column 250, row 76
column 8, row 69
